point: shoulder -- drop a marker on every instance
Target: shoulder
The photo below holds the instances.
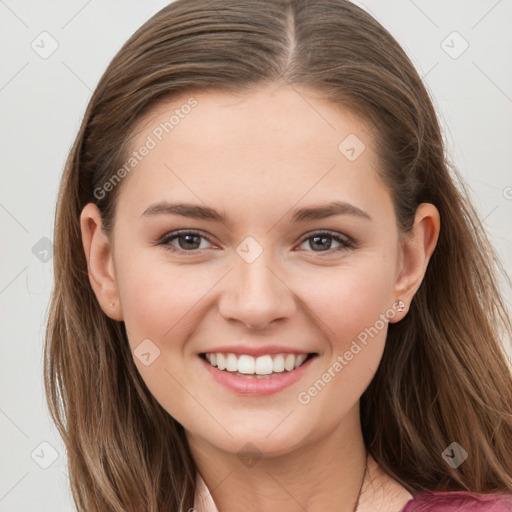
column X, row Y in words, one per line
column 453, row 501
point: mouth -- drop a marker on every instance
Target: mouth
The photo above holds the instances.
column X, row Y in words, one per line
column 261, row 367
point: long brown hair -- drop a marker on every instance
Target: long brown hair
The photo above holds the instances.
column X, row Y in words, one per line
column 444, row 375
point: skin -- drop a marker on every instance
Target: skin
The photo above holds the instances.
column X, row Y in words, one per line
column 257, row 157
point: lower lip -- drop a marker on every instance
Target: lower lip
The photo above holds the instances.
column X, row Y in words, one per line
column 253, row 386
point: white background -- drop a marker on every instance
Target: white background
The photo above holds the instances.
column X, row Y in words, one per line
column 42, row 103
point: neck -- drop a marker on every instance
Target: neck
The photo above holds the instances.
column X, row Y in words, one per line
column 322, row 474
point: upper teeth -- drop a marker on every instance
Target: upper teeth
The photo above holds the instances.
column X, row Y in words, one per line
column 262, row 365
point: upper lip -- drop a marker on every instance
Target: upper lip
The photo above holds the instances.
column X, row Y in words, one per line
column 255, row 351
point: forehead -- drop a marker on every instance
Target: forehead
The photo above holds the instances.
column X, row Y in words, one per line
column 272, row 118
column 274, row 145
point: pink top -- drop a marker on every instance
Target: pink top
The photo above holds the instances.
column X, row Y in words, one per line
column 453, row 501
column 450, row 501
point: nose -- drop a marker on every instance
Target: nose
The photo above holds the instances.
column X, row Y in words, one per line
column 256, row 295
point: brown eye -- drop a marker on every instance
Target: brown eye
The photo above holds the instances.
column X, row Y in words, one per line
column 187, row 241
column 323, row 241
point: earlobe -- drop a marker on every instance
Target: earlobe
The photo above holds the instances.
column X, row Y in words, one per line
column 417, row 248
column 100, row 262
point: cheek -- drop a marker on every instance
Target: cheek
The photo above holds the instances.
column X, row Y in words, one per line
column 353, row 311
column 163, row 303
column 159, row 299
column 350, row 300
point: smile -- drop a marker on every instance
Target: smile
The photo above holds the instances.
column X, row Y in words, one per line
column 262, row 375
column 265, row 365
column 245, row 364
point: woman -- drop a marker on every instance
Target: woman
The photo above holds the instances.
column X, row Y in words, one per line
column 269, row 292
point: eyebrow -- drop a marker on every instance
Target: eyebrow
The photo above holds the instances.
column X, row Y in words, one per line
column 309, row 213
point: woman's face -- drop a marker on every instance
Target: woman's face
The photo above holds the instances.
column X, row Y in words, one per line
column 281, row 167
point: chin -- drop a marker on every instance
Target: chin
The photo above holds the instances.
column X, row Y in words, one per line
column 266, row 441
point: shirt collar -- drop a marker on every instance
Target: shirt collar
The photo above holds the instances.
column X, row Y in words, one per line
column 203, row 501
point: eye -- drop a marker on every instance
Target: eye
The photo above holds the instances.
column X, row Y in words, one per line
column 187, row 241
column 190, row 241
column 323, row 240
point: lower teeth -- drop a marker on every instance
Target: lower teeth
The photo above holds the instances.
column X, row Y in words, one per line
column 238, row 374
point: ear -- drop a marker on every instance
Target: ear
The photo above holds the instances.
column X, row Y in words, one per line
column 100, row 262
column 416, row 249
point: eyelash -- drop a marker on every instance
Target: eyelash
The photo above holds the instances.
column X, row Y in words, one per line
column 345, row 242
